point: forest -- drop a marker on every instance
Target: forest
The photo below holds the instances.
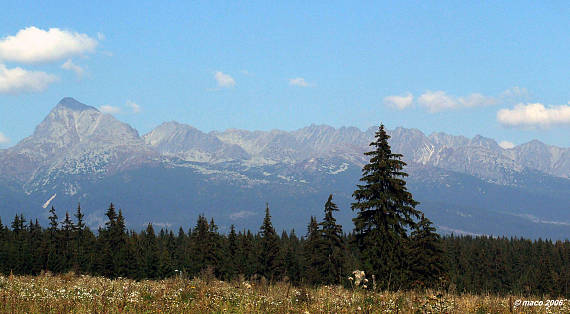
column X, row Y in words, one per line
column 392, row 242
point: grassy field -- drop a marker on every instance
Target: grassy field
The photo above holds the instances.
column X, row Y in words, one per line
column 85, row 294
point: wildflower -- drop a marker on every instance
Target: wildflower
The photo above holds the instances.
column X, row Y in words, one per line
column 350, row 278
column 364, row 286
column 358, row 276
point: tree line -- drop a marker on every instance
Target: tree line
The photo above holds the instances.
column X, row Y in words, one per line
column 392, row 242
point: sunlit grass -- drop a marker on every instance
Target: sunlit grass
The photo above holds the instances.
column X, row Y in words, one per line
column 85, row 294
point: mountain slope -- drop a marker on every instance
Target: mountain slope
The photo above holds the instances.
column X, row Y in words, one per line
column 74, row 139
column 175, row 172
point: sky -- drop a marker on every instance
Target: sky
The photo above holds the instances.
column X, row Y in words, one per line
column 500, row 70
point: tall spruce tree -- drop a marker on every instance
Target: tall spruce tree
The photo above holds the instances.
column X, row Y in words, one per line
column 230, row 261
column 333, row 246
column 312, row 252
column 67, row 236
column 149, row 252
column 214, row 256
column 79, row 260
column 54, row 261
column 270, row 258
column 200, row 240
column 426, row 254
column 386, row 210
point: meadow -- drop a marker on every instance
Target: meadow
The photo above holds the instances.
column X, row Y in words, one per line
column 85, row 294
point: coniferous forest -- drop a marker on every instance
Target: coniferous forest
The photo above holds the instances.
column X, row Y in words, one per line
column 391, row 240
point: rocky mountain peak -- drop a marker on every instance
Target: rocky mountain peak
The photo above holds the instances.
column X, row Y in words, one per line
column 188, row 143
column 479, row 140
column 71, row 122
column 72, row 104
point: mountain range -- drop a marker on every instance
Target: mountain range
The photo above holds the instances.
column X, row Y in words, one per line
column 168, row 176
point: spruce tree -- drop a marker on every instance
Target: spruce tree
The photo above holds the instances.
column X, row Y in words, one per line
column 79, row 259
column 80, row 225
column 248, row 259
column 149, row 252
column 199, row 239
column 120, row 247
column 54, row 260
column 67, row 236
column 231, row 257
column 36, row 242
column 293, row 261
column 386, row 210
column 313, row 254
column 270, row 257
column 426, row 254
column 214, row 256
column 333, row 246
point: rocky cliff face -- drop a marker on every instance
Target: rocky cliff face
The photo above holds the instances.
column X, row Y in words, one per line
column 74, row 139
column 188, row 143
column 481, row 157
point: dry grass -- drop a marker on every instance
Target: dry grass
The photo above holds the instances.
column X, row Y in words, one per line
column 85, row 294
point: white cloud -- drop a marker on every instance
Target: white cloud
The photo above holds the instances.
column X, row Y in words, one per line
column 31, row 45
column 4, row 139
column 439, row 100
column 109, row 109
column 18, row 80
column 506, row 144
column 134, row 106
column 298, row 81
column 477, row 100
column 70, row 66
column 532, row 115
column 224, row 80
column 399, row 102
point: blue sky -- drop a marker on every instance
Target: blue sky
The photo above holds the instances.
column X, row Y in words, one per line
column 498, row 70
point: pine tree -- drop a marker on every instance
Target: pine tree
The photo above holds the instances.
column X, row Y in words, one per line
column 112, row 217
column 112, row 245
column 199, row 240
column 67, row 236
column 333, row 246
column 313, row 254
column 233, row 251
column 426, row 254
column 385, row 211
column 79, row 259
column 214, row 254
column 270, row 255
column 119, row 247
column 292, row 259
column 247, row 258
column 36, row 239
column 54, row 259
column 80, row 225
column 150, row 254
